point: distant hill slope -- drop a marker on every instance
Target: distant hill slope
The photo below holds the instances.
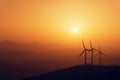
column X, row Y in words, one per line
column 82, row 72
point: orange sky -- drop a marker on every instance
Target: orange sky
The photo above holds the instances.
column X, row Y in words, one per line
column 49, row 21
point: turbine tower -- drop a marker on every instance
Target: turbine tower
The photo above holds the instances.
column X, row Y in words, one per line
column 100, row 53
column 85, row 51
column 92, row 50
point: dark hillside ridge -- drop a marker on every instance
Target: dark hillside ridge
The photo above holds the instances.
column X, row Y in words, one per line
column 82, row 72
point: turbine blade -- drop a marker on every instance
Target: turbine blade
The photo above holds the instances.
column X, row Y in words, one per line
column 95, row 49
column 90, row 44
column 99, row 47
column 103, row 54
column 97, row 54
column 100, row 51
column 81, row 53
column 88, row 50
column 83, row 44
column 92, row 49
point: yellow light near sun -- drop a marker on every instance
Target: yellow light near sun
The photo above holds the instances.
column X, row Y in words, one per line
column 75, row 29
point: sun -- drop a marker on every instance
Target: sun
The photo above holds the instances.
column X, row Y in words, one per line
column 74, row 29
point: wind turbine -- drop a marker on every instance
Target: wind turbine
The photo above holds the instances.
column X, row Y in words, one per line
column 100, row 53
column 92, row 50
column 85, row 51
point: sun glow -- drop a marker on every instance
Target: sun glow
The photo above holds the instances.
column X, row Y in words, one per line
column 74, row 29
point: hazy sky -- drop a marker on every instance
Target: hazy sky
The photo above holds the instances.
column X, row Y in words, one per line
column 52, row 20
column 62, row 24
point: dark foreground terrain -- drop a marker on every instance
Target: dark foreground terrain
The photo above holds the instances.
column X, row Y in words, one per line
column 83, row 72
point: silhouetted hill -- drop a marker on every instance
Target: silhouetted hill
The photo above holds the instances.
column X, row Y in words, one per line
column 82, row 72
